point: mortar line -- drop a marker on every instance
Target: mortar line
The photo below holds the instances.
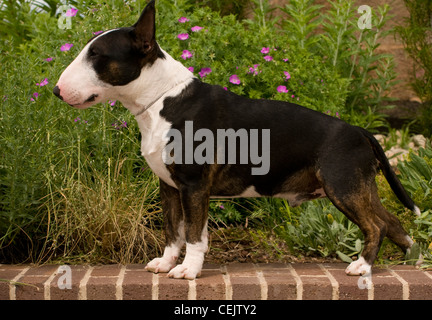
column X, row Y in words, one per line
column 405, row 285
column 119, row 283
column 333, row 281
column 12, row 286
column 299, row 282
column 82, row 294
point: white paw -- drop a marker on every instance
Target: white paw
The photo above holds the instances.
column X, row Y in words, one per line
column 358, row 268
column 184, row 271
column 160, row 265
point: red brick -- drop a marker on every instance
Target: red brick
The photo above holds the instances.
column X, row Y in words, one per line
column 316, row 284
column 102, row 282
column 137, row 283
column 420, row 285
column 77, row 273
column 348, row 285
column 8, row 273
column 172, row 289
column 211, row 285
column 386, row 286
column 34, row 280
column 281, row 284
column 244, row 282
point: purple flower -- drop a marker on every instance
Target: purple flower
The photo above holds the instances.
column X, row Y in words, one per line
column 183, row 36
column 34, row 95
column 287, row 75
column 71, row 12
column 221, row 207
column 268, row 58
column 49, row 59
column 191, row 69
column 254, row 70
column 112, row 102
column 285, row 60
column 186, row 54
column 66, row 47
column 118, row 125
column 183, row 20
column 44, row 82
column 196, row 28
column 234, row 79
column 97, row 32
column 265, row 50
column 204, row 72
column 282, row 89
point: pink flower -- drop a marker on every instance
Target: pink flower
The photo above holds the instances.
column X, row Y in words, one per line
column 183, row 20
column 66, row 47
column 265, row 50
column 44, row 82
column 287, row 75
column 183, row 36
column 234, row 79
column 97, row 32
column 268, row 58
column 285, row 60
column 254, row 70
column 196, row 29
column 204, row 72
column 71, row 12
column 34, row 95
column 282, row 89
column 186, row 54
column 112, row 102
column 49, row 59
column 191, row 69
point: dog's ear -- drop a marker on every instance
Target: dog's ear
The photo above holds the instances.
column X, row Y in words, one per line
column 145, row 28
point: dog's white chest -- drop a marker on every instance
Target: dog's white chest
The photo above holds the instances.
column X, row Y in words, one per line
column 153, row 130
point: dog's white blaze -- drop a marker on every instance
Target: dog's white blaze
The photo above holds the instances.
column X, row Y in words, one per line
column 79, row 81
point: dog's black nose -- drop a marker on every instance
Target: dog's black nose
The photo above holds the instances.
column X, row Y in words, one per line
column 56, row 91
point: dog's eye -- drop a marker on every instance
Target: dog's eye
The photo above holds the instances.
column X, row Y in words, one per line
column 92, row 52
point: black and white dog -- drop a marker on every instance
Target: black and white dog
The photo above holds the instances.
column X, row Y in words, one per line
column 310, row 155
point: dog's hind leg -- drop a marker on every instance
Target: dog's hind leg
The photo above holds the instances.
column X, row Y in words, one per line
column 174, row 230
column 359, row 209
column 195, row 203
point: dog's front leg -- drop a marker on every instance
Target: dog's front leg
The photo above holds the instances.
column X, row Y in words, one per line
column 174, row 230
column 195, row 203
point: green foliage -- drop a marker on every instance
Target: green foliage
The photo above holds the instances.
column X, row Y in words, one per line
column 320, row 229
column 353, row 53
column 416, row 34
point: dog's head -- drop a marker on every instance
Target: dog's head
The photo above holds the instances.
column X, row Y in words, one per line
column 113, row 58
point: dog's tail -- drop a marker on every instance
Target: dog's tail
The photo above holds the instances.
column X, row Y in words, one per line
column 390, row 175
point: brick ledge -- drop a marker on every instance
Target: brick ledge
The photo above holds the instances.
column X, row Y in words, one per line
column 227, row 282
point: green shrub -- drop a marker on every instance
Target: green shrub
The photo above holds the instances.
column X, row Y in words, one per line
column 416, row 35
